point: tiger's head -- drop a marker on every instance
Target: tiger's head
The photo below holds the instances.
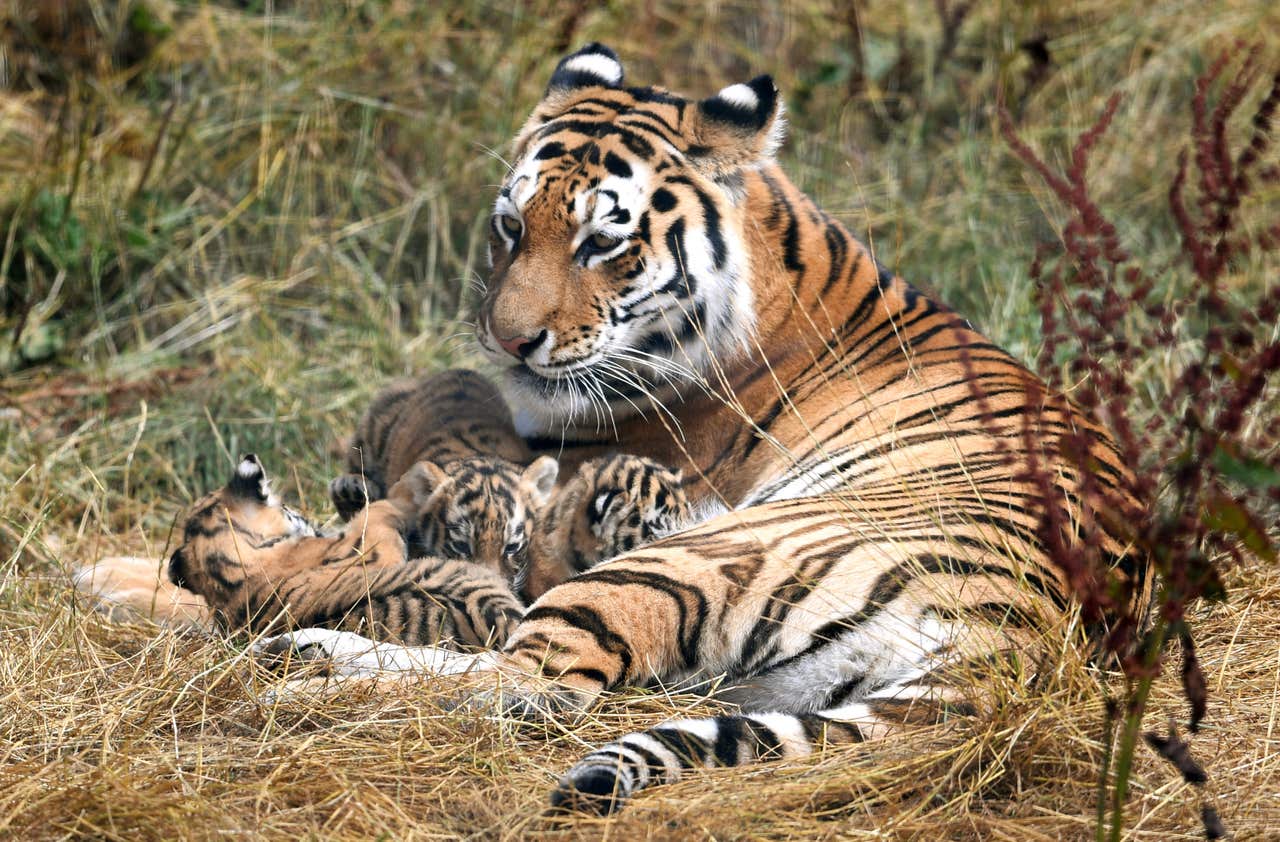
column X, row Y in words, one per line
column 616, row 242
column 225, row 529
column 480, row 509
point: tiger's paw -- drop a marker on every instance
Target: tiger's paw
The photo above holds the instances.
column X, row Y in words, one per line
column 352, row 492
column 596, row 787
column 326, row 650
column 548, row 705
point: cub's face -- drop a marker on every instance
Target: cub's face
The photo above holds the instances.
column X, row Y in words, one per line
column 225, row 528
column 616, row 240
column 481, row 510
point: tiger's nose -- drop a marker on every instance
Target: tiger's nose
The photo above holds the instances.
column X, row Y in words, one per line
column 522, row 346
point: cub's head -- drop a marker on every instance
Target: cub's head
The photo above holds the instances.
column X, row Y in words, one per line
column 481, row 509
column 225, row 529
column 617, row 239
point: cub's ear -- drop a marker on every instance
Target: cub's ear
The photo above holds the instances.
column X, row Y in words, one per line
column 177, row 570
column 593, row 66
column 250, row 481
column 540, row 478
column 742, row 126
column 423, row 481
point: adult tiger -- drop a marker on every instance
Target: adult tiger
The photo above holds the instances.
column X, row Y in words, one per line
column 659, row 285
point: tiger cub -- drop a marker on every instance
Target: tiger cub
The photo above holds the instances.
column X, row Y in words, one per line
column 610, row 506
column 482, row 510
column 439, row 418
column 261, row 566
column 455, row 430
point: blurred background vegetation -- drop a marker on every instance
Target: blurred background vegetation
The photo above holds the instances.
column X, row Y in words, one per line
column 224, row 224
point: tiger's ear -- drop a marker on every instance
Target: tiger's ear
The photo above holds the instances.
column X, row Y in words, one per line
column 740, row 127
column 592, row 66
column 250, row 481
column 423, row 481
column 540, row 478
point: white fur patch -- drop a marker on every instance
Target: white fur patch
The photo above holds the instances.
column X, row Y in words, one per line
column 248, row 468
column 740, row 96
column 705, row 729
column 777, row 131
column 788, row 730
column 600, row 66
column 352, row 654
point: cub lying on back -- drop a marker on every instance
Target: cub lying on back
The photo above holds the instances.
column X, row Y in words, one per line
column 260, row 565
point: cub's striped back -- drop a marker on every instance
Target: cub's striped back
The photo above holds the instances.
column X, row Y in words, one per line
column 439, row 418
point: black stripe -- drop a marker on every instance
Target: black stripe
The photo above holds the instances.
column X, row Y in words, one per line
column 729, row 739
column 590, row 621
column 690, row 750
column 765, row 744
column 691, row 602
column 616, row 165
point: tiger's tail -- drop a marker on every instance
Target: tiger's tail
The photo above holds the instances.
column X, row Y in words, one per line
column 603, row 780
column 133, row 588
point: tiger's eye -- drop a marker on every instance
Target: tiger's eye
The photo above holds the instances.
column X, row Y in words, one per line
column 510, row 225
column 603, row 242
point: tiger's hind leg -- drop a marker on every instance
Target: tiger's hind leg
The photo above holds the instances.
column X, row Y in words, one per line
column 837, row 626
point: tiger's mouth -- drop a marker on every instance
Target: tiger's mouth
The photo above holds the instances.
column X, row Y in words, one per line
column 545, row 384
column 598, row 389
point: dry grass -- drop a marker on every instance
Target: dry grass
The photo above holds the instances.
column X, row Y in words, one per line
column 122, row 732
column 271, row 214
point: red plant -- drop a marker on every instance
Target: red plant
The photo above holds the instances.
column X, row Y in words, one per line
column 1205, row 477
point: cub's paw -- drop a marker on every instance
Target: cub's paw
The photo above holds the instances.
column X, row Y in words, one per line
column 624, row 502
column 352, row 492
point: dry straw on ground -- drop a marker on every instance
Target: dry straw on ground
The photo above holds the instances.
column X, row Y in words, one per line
column 126, row 733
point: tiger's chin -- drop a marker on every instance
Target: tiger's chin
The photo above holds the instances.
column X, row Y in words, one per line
column 586, row 400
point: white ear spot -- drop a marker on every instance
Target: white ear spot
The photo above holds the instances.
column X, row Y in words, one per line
column 249, row 468
column 740, row 96
column 596, row 64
